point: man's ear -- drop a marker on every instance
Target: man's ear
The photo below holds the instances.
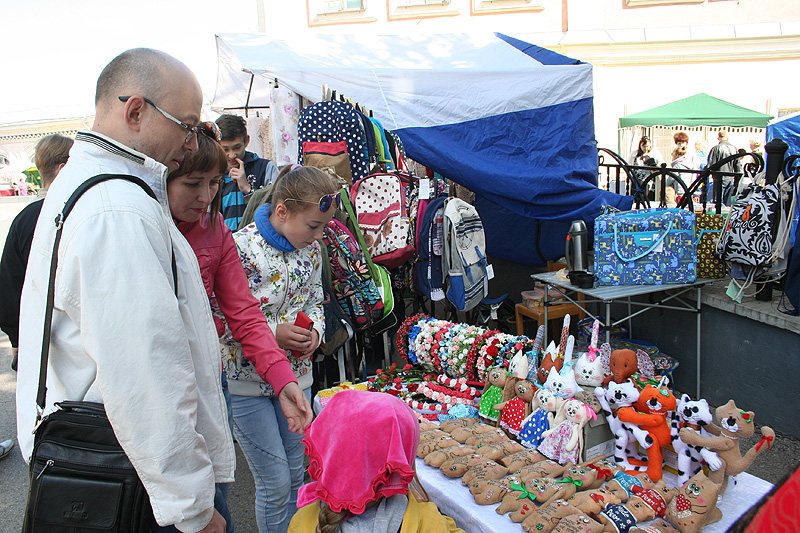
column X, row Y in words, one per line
column 133, row 112
column 246, row 141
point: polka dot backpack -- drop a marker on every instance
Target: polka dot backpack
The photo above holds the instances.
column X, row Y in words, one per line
column 382, row 209
column 333, row 122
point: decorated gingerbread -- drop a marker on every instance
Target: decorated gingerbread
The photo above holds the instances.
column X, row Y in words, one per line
column 498, row 450
column 498, row 435
column 463, row 433
column 434, row 444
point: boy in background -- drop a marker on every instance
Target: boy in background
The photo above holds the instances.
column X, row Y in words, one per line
column 246, row 171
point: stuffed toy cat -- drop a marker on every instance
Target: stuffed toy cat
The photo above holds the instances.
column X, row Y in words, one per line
column 593, row 501
column 578, row 523
column 517, row 460
column 695, row 505
column 458, row 466
column 624, row 483
column 657, row 497
column 695, row 415
column 652, row 409
column 733, row 425
column 576, row 478
column 427, row 425
column 432, row 445
column 432, row 434
column 622, row 364
column 564, row 443
column 547, row 517
column 463, row 433
column 620, row 518
column 496, row 435
column 544, row 407
column 454, row 423
column 562, row 383
column 486, row 469
column 498, row 450
column 492, row 394
column 436, row 458
column 552, row 359
column 546, row 468
column 588, row 367
column 616, row 397
column 491, row 491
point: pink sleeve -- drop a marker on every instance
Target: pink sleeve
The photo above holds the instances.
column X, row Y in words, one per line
column 244, row 317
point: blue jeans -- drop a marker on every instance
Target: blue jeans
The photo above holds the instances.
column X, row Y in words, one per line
column 275, row 456
column 220, row 489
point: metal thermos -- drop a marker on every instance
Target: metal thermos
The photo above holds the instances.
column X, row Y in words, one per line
column 577, row 252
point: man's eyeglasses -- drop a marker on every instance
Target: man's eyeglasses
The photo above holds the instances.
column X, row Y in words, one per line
column 325, row 202
column 190, row 131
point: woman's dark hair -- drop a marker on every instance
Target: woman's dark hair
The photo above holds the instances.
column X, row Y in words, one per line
column 644, row 140
column 209, row 157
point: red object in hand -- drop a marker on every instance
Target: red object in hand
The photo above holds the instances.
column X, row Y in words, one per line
column 303, row 321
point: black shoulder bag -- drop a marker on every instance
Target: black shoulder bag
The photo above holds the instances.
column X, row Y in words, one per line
column 81, row 480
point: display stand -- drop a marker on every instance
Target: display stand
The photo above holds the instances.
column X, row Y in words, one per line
column 455, row 500
column 611, row 294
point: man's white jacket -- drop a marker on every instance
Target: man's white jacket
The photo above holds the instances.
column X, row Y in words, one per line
column 121, row 337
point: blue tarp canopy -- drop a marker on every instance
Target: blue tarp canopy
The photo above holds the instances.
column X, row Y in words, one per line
column 786, row 128
column 507, row 119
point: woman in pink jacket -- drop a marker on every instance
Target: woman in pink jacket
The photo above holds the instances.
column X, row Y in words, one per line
column 194, row 200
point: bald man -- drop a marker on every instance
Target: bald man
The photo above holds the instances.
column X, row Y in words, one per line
column 120, row 336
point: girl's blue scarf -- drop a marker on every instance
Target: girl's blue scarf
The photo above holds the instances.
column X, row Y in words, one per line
column 268, row 232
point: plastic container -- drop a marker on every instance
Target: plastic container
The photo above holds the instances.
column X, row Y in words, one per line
column 534, row 299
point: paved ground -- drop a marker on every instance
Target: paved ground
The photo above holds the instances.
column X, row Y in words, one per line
column 783, row 457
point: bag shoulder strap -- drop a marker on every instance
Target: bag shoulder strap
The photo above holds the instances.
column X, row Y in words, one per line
column 48, row 313
column 357, row 231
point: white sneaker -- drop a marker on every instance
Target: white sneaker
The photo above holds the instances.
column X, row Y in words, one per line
column 5, row 447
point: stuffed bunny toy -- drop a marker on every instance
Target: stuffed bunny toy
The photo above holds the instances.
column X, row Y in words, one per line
column 544, row 407
column 564, row 443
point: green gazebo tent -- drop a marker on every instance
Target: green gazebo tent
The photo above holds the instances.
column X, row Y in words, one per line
column 698, row 110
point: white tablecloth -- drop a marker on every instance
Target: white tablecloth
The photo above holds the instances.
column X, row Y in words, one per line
column 455, row 500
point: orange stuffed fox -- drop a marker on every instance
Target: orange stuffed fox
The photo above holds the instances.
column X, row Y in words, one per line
column 652, row 410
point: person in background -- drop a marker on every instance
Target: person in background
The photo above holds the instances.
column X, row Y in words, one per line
column 719, row 152
column 369, row 484
column 646, row 155
column 51, row 154
column 682, row 160
column 281, row 258
column 124, row 334
column 246, row 171
column 191, row 190
column 700, row 154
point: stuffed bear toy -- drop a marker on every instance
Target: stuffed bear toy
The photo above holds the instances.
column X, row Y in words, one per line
column 695, row 415
column 617, row 397
column 620, row 365
column 578, row 523
column 454, row 423
column 733, row 425
column 492, row 394
column 545, row 518
column 695, row 505
column 516, row 409
column 651, row 412
column 491, row 491
column 486, row 469
column 434, row 444
column 622, row 517
column 593, row 501
column 436, row 458
column 517, row 460
column 458, row 466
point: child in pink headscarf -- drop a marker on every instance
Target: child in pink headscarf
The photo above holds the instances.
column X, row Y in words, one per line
column 361, row 450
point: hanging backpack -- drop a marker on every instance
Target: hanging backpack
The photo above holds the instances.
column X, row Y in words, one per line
column 464, row 257
column 381, row 206
column 430, row 243
column 334, row 122
column 352, row 283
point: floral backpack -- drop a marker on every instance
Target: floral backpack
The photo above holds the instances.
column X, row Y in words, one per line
column 353, row 286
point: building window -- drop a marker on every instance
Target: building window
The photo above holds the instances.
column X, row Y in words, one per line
column 500, row 7
column 341, row 6
column 420, row 9
column 411, row 3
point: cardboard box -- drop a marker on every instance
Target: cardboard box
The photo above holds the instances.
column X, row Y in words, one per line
column 597, row 439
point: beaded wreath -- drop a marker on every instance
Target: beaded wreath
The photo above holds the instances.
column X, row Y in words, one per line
column 427, row 343
column 472, row 355
column 488, row 353
column 402, row 340
column 439, row 393
column 455, row 349
column 510, row 349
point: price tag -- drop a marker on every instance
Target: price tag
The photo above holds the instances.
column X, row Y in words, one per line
column 660, row 248
column 489, row 271
column 424, row 189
